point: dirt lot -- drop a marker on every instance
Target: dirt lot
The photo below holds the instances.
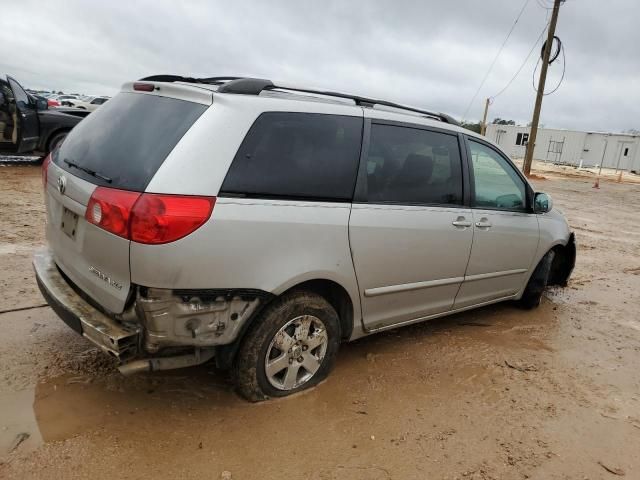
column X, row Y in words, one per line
column 497, row 393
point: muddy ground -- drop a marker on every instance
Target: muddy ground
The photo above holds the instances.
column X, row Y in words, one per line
column 497, row 393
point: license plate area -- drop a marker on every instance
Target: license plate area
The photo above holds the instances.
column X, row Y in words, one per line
column 69, row 223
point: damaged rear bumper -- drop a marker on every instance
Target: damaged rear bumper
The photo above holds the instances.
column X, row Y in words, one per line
column 115, row 338
column 156, row 322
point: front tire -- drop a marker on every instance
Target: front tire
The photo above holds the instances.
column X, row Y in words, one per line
column 292, row 346
column 537, row 283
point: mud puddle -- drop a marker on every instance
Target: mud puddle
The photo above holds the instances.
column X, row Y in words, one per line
column 448, row 358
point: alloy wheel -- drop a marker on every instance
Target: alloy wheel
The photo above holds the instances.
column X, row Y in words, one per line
column 296, row 352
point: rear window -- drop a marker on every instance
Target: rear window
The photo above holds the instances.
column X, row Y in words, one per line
column 412, row 166
column 126, row 140
column 297, row 155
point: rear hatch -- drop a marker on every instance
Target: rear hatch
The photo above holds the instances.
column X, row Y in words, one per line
column 119, row 146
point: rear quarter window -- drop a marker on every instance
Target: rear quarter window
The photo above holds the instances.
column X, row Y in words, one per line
column 127, row 139
column 297, row 155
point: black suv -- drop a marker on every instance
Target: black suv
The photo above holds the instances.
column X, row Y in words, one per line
column 26, row 122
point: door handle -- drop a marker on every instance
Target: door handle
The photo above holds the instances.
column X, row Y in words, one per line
column 461, row 222
column 483, row 223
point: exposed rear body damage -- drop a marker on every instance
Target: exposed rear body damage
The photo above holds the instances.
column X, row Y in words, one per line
column 118, row 338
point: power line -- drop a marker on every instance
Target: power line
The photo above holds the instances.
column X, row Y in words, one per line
column 523, row 63
column 564, row 69
column 495, row 59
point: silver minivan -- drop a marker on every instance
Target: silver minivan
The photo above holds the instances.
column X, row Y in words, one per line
column 261, row 225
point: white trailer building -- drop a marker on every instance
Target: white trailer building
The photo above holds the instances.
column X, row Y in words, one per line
column 571, row 147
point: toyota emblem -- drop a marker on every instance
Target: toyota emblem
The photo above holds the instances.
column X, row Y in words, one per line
column 62, row 184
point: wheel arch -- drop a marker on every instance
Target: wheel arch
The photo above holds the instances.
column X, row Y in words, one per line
column 337, row 296
column 562, row 266
column 563, row 262
column 52, row 135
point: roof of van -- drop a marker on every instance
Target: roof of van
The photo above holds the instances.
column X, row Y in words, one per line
column 258, row 86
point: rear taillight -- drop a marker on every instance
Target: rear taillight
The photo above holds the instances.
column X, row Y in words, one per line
column 110, row 209
column 45, row 169
column 148, row 218
column 166, row 218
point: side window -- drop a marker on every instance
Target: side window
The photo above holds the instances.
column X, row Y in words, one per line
column 497, row 185
column 413, row 166
column 22, row 99
column 303, row 155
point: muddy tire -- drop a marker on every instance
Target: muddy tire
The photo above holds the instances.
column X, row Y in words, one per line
column 290, row 347
column 537, row 283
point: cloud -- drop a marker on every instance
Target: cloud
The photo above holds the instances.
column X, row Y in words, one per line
column 431, row 54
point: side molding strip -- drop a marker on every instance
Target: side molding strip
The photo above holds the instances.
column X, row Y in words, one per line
column 405, row 287
column 485, row 276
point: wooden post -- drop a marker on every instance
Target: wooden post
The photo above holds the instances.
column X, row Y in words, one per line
column 483, row 127
column 528, row 158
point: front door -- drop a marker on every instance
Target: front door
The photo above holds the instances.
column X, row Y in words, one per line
column 409, row 231
column 8, row 119
column 27, row 118
column 506, row 230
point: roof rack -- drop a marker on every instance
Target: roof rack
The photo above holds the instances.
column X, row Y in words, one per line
column 255, row 86
column 179, row 78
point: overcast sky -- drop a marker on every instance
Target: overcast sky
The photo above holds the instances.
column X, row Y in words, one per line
column 432, row 54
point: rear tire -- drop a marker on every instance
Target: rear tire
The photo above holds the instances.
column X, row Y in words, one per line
column 537, row 283
column 292, row 346
column 55, row 141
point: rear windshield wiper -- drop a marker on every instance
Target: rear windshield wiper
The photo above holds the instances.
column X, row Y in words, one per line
column 88, row 170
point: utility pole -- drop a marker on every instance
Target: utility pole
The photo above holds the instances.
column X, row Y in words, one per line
column 483, row 127
column 528, row 159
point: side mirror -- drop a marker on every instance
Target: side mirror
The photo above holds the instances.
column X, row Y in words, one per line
column 542, row 203
column 41, row 103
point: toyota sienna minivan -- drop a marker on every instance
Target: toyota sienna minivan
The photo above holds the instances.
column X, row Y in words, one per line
column 262, row 225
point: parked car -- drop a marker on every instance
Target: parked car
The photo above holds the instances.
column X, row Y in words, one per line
column 263, row 225
column 65, row 100
column 88, row 103
column 49, row 97
column 26, row 122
